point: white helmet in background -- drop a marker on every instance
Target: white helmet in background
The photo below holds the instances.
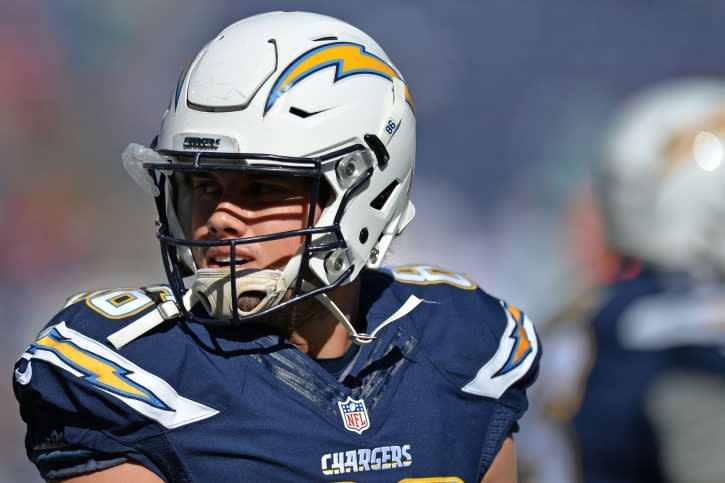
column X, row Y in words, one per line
column 294, row 94
column 662, row 186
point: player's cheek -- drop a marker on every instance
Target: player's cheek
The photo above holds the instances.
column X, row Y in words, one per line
column 200, row 214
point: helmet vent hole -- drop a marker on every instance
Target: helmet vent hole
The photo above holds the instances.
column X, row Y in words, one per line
column 296, row 111
column 299, row 112
column 322, row 39
column 379, row 202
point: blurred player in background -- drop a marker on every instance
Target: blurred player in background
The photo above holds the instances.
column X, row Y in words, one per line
column 547, row 448
column 279, row 351
column 639, row 395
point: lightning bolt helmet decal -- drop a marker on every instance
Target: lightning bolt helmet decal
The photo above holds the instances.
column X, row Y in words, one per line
column 348, row 59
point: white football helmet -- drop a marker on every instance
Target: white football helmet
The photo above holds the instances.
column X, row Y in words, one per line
column 661, row 186
column 294, row 94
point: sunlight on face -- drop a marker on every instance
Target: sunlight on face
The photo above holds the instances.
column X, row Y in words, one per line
column 226, row 206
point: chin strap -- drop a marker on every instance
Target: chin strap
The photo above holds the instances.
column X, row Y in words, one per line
column 164, row 311
column 361, row 338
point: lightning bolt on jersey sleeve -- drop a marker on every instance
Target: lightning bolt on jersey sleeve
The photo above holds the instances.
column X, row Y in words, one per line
column 86, row 406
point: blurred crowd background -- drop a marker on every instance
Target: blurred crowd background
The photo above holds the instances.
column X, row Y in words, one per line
column 511, row 99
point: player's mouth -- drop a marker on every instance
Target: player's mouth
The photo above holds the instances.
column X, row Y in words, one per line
column 218, row 258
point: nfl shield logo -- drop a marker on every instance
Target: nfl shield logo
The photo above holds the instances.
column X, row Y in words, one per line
column 354, row 415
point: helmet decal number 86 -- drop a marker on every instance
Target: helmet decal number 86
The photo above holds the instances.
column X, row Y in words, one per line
column 390, row 127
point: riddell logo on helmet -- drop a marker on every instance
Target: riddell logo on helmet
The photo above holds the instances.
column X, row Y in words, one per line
column 191, row 142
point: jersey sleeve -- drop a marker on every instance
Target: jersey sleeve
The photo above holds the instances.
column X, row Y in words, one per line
column 485, row 346
column 511, row 356
column 87, row 407
column 489, row 350
column 506, row 365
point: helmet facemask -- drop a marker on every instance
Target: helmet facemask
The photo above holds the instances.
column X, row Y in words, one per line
column 218, row 289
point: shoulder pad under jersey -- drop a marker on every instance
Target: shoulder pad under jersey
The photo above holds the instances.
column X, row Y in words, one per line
column 75, row 389
column 485, row 346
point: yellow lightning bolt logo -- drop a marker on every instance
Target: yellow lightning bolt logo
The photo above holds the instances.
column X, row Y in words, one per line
column 348, row 59
column 522, row 344
column 97, row 370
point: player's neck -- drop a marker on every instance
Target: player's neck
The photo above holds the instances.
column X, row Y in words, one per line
column 324, row 337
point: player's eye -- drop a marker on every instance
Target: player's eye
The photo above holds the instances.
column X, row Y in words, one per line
column 268, row 190
column 206, row 186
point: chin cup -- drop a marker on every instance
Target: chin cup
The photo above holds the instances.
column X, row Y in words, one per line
column 213, row 289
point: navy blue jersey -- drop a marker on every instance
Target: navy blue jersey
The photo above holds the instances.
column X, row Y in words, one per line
column 435, row 395
column 649, row 328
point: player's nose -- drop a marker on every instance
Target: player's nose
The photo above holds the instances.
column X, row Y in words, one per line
column 227, row 221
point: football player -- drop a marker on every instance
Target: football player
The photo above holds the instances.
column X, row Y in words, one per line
column 652, row 407
column 279, row 350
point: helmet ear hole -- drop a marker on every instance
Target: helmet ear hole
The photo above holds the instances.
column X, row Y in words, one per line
column 379, row 202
